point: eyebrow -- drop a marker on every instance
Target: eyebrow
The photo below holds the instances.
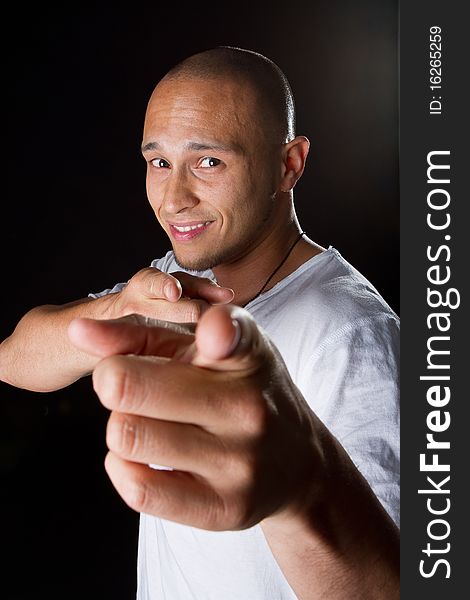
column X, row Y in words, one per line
column 196, row 146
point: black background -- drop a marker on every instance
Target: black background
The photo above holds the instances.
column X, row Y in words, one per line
column 75, row 219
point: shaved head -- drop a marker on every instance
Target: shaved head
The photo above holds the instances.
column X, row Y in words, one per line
column 275, row 103
column 222, row 157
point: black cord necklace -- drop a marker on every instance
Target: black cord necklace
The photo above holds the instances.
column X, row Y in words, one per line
column 299, row 237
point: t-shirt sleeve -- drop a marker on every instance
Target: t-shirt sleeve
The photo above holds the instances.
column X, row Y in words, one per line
column 352, row 384
column 117, row 288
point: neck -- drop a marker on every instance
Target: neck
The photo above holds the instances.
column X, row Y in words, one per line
column 248, row 274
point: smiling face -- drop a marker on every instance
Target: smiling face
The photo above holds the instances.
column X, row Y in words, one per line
column 212, row 172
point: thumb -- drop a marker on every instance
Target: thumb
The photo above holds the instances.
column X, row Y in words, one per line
column 227, row 338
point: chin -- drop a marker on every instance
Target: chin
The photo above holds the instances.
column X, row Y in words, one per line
column 207, row 259
column 197, row 263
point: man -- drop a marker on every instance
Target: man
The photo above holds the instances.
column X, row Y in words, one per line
column 243, row 479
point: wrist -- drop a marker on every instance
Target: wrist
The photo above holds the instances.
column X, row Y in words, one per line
column 340, row 532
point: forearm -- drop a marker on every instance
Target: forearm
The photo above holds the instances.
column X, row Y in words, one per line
column 340, row 544
column 39, row 356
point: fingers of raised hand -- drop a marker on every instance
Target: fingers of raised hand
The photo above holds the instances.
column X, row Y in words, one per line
column 152, row 283
column 178, row 297
column 184, row 311
column 203, row 288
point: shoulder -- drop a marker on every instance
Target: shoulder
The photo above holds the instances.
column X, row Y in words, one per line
column 341, row 289
column 326, row 308
column 326, row 293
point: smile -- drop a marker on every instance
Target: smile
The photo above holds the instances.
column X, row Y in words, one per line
column 189, row 231
column 191, row 227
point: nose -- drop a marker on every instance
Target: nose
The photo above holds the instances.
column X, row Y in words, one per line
column 178, row 193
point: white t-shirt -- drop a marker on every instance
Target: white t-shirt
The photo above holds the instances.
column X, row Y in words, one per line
column 340, row 342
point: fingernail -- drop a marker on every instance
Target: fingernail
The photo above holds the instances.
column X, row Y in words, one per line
column 227, row 298
column 236, row 337
column 172, row 290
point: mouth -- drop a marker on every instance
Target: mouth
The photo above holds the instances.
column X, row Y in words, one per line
column 188, row 231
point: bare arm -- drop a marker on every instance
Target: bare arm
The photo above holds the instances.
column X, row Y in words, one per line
column 39, row 356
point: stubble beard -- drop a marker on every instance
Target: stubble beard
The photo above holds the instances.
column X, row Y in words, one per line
column 202, row 263
column 214, row 256
column 219, row 256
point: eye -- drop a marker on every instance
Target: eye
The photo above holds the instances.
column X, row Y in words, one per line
column 209, row 161
column 160, row 163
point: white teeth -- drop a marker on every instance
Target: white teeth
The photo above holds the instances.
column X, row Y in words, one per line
column 191, row 227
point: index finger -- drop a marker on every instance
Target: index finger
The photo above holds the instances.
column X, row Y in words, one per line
column 130, row 335
column 204, row 288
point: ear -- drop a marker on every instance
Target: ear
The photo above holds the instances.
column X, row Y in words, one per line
column 294, row 156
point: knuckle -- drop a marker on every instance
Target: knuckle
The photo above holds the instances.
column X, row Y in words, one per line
column 193, row 311
column 215, row 516
column 123, row 435
column 136, row 494
column 138, row 277
column 218, row 461
column 253, row 413
column 149, row 281
column 242, row 467
column 237, row 515
column 131, row 307
column 156, row 283
column 116, row 385
column 257, row 416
